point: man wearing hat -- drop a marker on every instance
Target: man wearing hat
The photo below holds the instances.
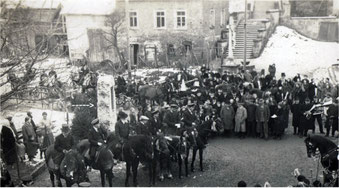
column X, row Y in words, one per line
column 122, row 127
column 262, row 115
column 171, row 120
column 29, row 114
column 30, row 139
column 296, row 111
column 96, row 137
column 306, row 120
column 155, row 122
column 188, row 116
column 11, row 124
column 332, row 118
column 63, row 144
column 143, row 127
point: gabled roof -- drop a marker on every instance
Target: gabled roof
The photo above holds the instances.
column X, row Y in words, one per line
column 88, row 7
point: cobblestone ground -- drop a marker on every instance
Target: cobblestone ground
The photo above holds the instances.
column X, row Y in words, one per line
column 229, row 160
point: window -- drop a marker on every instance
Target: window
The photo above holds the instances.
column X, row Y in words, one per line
column 181, row 19
column 160, row 19
column 212, row 18
column 133, row 19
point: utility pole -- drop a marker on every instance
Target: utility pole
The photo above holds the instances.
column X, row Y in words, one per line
column 245, row 29
column 128, row 45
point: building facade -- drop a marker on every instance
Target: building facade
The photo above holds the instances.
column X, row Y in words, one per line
column 168, row 31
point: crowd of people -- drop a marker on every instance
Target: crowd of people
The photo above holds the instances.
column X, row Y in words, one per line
column 248, row 103
column 34, row 136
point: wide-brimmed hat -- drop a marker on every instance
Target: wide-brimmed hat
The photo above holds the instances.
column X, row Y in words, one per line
column 144, row 118
column 65, row 128
column 95, row 121
column 122, row 115
column 173, row 104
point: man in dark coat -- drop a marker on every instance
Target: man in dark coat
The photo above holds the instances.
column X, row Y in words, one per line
column 96, row 137
column 171, row 120
column 188, row 116
column 332, row 118
column 30, row 139
column 317, row 115
column 155, row 123
column 262, row 115
column 272, row 69
column 250, row 121
column 306, row 120
column 296, row 111
column 122, row 127
column 11, row 124
column 63, row 144
column 144, row 127
column 29, row 114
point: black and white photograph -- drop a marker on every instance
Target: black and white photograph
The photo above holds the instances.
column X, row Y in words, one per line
column 169, row 93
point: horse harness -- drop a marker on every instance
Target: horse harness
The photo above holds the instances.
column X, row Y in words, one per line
column 177, row 145
column 326, row 156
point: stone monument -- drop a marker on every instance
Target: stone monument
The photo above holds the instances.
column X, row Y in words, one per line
column 107, row 109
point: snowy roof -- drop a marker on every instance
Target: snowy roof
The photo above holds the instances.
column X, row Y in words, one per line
column 91, row 7
column 35, row 4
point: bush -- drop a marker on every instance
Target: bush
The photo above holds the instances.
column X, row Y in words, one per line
column 83, row 116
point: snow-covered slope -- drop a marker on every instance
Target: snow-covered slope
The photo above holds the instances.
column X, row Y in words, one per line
column 293, row 53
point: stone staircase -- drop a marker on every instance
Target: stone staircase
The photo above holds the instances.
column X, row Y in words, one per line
column 253, row 27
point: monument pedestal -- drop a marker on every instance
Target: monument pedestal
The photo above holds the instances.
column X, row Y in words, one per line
column 106, row 101
column 230, row 66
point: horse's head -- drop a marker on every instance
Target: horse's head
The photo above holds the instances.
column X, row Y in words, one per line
column 161, row 145
column 114, row 145
column 73, row 167
column 310, row 147
column 191, row 134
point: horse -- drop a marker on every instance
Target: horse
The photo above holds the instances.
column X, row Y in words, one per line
column 162, row 154
column 72, row 167
column 152, row 93
column 104, row 159
column 139, row 148
column 328, row 156
column 178, row 147
column 204, row 130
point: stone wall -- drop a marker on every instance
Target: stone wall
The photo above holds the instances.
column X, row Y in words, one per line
column 106, row 101
column 308, row 26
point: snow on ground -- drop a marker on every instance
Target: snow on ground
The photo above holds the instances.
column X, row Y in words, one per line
column 293, row 53
column 57, row 118
column 60, row 65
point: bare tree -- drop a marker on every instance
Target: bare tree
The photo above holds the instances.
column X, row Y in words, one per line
column 115, row 22
column 18, row 56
